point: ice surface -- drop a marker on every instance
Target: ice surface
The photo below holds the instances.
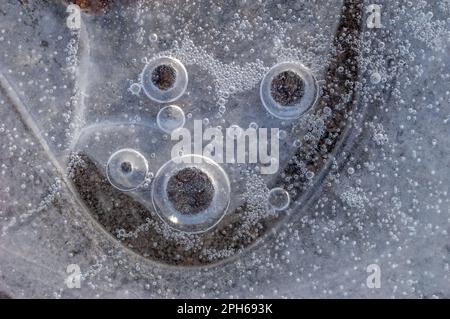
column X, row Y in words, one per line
column 378, row 194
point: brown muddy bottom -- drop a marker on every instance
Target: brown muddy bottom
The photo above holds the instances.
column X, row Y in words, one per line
column 287, row 88
column 190, row 191
column 141, row 230
column 91, row 5
column 163, row 77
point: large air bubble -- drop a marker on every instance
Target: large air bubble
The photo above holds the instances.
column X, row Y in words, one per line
column 278, row 199
column 164, row 79
column 170, row 118
column 191, row 193
column 288, row 90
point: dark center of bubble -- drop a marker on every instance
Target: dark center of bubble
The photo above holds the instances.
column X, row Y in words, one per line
column 287, row 88
column 190, row 190
column 163, row 77
column 126, row 167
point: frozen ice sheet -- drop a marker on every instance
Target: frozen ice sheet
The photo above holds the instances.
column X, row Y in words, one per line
column 381, row 199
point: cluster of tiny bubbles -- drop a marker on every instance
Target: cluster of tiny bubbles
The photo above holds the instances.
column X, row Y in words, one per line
column 278, row 199
column 127, row 169
column 221, row 102
column 147, row 181
column 170, row 118
column 230, row 78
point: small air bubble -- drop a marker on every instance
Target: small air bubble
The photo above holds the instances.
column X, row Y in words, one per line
column 278, row 199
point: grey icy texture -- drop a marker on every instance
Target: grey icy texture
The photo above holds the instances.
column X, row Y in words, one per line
column 384, row 198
